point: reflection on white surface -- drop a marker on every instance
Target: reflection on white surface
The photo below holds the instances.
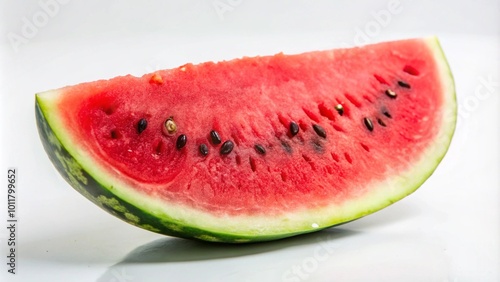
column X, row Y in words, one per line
column 336, row 253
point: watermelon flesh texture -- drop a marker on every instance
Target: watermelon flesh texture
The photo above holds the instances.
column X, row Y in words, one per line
column 373, row 123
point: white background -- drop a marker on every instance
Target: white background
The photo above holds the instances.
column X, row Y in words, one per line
column 448, row 230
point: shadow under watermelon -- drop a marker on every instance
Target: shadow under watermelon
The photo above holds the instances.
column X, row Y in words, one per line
column 163, row 256
column 174, row 256
column 181, row 250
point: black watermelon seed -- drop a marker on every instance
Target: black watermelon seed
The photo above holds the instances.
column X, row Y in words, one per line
column 141, row 125
column 115, row 134
column 294, row 128
column 181, row 141
column 260, row 149
column 368, row 123
column 387, row 114
column 214, row 136
column 391, row 93
column 319, row 130
column 286, row 147
column 317, row 146
column 340, row 109
column 381, row 122
column 204, row 149
column 404, row 84
column 226, row 147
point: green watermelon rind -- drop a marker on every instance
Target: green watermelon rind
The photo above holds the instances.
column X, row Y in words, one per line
column 97, row 183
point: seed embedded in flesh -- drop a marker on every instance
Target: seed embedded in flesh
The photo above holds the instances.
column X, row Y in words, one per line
column 404, row 84
column 141, row 125
column 381, row 122
column 226, row 147
column 317, row 146
column 115, row 134
column 203, row 149
column 286, row 147
column 387, row 114
column 181, row 141
column 391, row 93
column 319, row 130
column 368, row 123
column 214, row 136
column 170, row 127
column 260, row 149
column 340, row 109
column 294, row 128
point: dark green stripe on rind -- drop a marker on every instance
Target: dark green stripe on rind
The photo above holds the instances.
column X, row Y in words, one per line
column 89, row 187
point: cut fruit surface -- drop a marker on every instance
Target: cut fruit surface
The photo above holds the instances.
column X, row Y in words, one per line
column 257, row 148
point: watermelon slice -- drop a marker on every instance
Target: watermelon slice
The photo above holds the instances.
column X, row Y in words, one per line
column 260, row 148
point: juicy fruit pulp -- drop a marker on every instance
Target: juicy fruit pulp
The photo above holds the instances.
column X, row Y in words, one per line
column 256, row 148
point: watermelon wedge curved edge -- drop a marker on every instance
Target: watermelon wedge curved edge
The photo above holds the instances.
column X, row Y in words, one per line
column 111, row 190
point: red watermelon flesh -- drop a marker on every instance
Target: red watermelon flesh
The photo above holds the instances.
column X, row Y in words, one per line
column 318, row 138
